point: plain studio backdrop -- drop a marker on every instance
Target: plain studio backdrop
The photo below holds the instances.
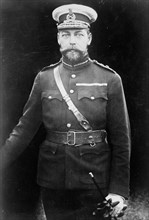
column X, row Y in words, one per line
column 28, row 43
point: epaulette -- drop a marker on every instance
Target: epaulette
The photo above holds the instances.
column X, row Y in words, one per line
column 104, row 66
column 51, row 66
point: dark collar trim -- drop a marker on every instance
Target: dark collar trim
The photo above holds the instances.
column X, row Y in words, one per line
column 76, row 65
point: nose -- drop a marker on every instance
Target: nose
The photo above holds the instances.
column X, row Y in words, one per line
column 72, row 40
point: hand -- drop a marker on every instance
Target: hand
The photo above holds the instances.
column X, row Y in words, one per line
column 118, row 210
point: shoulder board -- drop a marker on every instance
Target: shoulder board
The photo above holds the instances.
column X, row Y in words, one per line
column 50, row 66
column 104, row 66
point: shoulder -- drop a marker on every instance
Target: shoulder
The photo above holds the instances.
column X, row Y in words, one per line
column 50, row 67
column 46, row 73
column 104, row 67
column 106, row 72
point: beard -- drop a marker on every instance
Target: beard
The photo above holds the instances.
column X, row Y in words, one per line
column 74, row 55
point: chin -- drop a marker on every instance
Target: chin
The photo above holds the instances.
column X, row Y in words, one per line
column 73, row 56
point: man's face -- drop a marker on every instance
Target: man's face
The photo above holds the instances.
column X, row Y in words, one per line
column 74, row 42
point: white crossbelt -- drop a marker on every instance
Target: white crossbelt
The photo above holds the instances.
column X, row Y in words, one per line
column 81, row 119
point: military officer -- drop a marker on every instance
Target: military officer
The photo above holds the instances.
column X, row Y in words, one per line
column 82, row 105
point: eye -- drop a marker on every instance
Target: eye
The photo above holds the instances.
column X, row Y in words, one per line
column 79, row 34
column 65, row 35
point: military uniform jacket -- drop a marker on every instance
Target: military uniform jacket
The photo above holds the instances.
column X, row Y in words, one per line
column 97, row 92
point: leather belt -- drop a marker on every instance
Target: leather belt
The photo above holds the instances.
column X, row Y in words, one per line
column 76, row 138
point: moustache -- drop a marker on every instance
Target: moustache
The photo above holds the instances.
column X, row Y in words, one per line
column 71, row 49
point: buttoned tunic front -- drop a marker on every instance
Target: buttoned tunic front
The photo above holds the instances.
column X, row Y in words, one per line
column 97, row 92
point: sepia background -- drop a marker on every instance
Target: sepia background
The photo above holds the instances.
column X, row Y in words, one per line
column 28, row 43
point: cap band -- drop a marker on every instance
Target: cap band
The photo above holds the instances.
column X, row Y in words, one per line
column 72, row 25
column 73, row 17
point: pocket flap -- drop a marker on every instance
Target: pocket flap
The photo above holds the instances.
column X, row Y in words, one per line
column 50, row 146
column 51, row 94
column 97, row 149
column 92, row 92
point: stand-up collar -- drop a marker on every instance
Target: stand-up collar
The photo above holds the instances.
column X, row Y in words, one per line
column 86, row 61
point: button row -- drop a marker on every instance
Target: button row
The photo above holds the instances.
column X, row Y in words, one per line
column 72, row 76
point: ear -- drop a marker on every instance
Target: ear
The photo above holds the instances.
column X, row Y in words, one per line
column 89, row 38
column 58, row 40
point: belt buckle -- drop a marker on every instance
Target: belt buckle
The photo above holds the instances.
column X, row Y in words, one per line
column 70, row 140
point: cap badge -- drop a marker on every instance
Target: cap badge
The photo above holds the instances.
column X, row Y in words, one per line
column 71, row 16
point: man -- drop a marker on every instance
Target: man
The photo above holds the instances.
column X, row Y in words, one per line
column 82, row 105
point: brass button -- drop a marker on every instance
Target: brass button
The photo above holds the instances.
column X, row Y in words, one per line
column 68, row 125
column 71, row 91
column 73, row 76
column 92, row 97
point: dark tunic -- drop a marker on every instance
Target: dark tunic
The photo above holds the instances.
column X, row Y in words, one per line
column 97, row 92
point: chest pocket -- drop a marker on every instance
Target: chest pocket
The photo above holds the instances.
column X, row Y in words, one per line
column 92, row 92
column 51, row 94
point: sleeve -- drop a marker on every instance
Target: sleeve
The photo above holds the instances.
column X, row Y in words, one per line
column 118, row 128
column 26, row 128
